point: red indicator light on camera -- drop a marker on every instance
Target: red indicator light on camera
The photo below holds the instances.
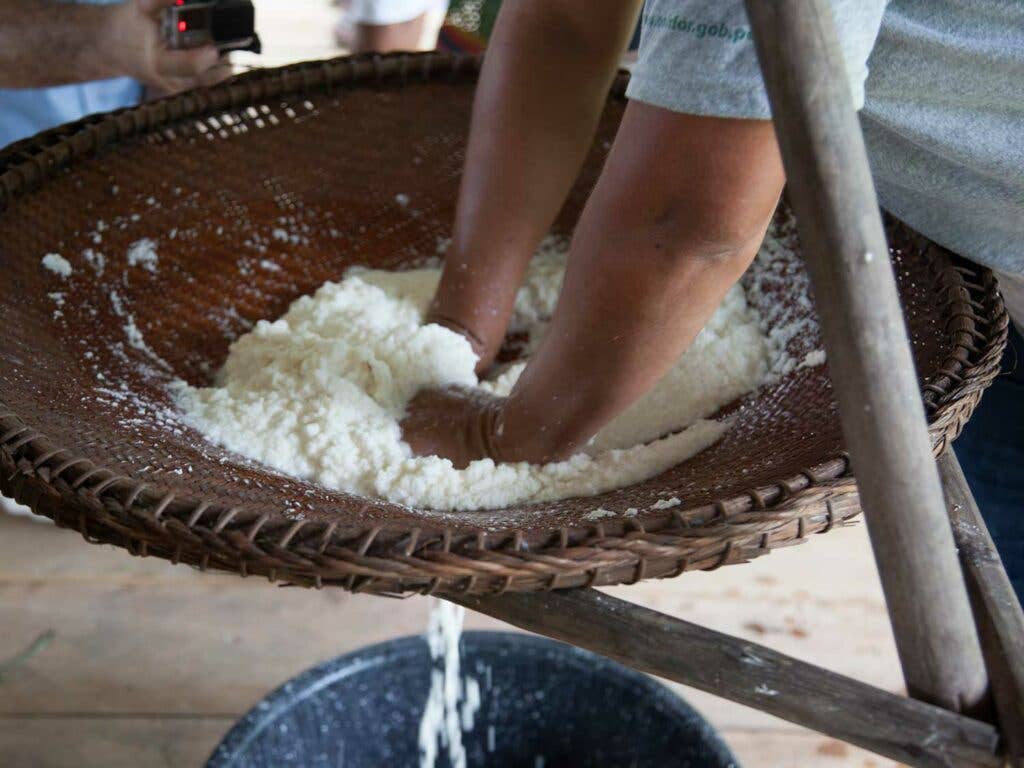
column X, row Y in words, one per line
column 182, row 26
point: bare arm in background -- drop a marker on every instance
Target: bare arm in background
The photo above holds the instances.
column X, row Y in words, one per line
column 678, row 214
column 45, row 43
column 384, row 38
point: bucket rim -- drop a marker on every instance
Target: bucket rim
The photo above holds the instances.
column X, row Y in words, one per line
column 309, row 682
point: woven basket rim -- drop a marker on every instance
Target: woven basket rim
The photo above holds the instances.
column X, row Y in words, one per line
column 106, row 506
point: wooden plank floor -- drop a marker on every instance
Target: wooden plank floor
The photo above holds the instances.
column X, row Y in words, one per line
column 150, row 663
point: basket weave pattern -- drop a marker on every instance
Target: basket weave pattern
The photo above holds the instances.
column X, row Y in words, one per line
column 321, row 150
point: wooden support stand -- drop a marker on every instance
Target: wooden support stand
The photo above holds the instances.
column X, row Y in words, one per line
column 997, row 612
column 933, row 610
column 870, row 363
column 913, row 732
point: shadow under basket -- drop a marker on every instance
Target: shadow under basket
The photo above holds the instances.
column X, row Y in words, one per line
column 257, row 191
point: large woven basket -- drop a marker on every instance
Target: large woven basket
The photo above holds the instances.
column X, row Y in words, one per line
column 257, row 191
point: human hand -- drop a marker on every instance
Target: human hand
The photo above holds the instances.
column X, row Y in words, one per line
column 457, row 424
column 485, row 351
column 132, row 42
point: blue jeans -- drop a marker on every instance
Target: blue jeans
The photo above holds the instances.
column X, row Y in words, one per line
column 991, row 452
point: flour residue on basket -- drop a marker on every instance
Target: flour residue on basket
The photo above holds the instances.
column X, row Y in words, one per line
column 319, row 393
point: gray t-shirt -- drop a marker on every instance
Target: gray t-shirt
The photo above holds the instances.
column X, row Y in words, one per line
column 940, row 85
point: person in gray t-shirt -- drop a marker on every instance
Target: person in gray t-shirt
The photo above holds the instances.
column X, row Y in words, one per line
column 689, row 187
column 940, row 84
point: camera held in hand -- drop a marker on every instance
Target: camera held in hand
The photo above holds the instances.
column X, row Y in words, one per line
column 228, row 24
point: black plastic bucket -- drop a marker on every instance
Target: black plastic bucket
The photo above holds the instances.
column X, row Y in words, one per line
column 543, row 705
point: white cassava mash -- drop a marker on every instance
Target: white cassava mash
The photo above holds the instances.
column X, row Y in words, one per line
column 319, row 394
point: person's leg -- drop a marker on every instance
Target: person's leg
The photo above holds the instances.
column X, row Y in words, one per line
column 384, row 38
column 389, row 25
column 991, row 452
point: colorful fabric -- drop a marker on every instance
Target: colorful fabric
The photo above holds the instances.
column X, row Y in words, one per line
column 468, row 26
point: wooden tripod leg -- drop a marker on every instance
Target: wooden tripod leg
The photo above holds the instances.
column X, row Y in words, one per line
column 868, row 350
column 997, row 611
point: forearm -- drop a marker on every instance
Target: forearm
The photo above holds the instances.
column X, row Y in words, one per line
column 49, row 43
column 677, row 216
column 544, row 84
column 603, row 353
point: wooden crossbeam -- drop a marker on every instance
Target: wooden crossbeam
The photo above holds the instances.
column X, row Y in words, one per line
column 913, row 732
